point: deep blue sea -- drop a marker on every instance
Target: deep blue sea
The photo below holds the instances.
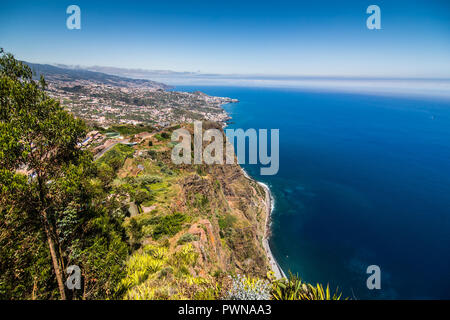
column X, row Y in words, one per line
column 363, row 180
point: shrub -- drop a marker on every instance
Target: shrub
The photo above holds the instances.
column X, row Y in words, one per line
column 142, row 195
column 165, row 135
column 227, row 221
column 201, row 201
column 187, row 237
column 162, row 136
column 317, row 292
column 186, row 256
column 288, row 289
column 206, row 294
column 135, row 233
column 139, row 267
column 294, row 289
column 164, row 168
column 159, row 253
column 169, row 225
column 211, row 292
column 117, row 155
column 146, row 179
column 106, row 174
column 167, row 271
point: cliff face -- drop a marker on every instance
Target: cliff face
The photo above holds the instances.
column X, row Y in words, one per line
column 234, row 218
column 197, row 225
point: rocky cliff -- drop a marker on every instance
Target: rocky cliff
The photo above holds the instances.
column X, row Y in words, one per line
column 195, row 224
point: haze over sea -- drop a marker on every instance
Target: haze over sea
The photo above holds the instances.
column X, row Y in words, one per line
column 364, row 179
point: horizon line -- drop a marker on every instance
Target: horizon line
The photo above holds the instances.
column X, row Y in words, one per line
column 237, row 76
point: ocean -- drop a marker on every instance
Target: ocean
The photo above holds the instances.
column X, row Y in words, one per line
column 363, row 180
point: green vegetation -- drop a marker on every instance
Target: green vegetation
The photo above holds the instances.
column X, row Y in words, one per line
column 112, row 134
column 142, row 195
column 155, row 273
column 169, row 225
column 164, row 168
column 227, row 221
column 123, row 220
column 187, row 237
column 294, row 289
column 130, row 129
column 52, row 213
column 116, row 157
column 141, row 265
column 163, row 136
column 105, row 173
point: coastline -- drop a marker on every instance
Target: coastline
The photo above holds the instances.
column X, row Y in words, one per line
column 270, row 204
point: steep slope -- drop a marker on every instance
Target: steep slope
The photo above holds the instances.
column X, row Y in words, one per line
column 194, row 224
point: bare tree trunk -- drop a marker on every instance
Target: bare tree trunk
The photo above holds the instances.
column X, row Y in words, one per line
column 51, row 245
column 33, row 293
column 55, row 262
column 84, row 288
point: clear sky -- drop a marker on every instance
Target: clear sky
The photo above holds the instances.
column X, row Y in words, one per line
column 320, row 37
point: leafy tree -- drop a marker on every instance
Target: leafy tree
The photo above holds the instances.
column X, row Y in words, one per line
column 39, row 137
column 105, row 173
column 49, row 216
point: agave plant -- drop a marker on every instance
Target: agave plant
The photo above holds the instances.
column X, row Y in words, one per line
column 187, row 255
column 317, row 292
column 139, row 267
column 293, row 288
column 290, row 288
column 159, row 253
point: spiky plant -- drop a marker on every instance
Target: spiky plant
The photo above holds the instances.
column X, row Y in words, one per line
column 317, row 292
column 293, row 288
column 290, row 288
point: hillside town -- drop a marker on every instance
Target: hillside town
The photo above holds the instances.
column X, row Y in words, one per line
column 105, row 104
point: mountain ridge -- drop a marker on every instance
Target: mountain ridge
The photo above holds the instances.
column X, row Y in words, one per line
column 52, row 72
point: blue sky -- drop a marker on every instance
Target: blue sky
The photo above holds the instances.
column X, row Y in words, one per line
column 319, row 38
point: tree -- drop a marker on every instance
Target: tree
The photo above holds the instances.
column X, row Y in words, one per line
column 39, row 157
column 106, row 174
column 55, row 205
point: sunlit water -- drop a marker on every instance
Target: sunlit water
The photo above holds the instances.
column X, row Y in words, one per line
column 363, row 180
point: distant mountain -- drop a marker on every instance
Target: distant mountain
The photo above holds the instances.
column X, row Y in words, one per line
column 136, row 73
column 52, row 72
column 159, row 75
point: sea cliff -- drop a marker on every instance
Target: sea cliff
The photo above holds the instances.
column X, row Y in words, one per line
column 199, row 224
